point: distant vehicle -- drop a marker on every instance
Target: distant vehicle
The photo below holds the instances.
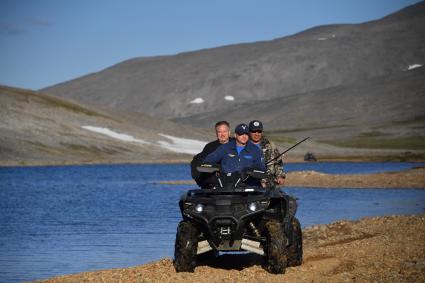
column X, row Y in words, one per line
column 309, row 156
column 238, row 217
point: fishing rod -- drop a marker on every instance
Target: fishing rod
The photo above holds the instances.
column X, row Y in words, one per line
column 273, row 159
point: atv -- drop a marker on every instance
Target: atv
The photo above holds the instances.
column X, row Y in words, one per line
column 238, row 215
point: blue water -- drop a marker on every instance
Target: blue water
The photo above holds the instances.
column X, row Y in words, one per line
column 62, row 220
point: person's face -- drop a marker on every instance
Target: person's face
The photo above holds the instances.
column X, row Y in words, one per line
column 241, row 139
column 222, row 132
column 256, row 136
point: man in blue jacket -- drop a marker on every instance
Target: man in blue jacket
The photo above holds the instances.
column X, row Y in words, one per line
column 238, row 154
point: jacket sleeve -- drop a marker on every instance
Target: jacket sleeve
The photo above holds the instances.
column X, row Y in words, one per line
column 197, row 160
column 276, row 167
column 258, row 162
column 261, row 162
column 215, row 156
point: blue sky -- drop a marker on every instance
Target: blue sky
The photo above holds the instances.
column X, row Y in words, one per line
column 45, row 42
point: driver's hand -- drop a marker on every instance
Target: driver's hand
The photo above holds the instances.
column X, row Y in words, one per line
column 280, row 180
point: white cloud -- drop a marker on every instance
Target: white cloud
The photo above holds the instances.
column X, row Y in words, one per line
column 197, row 101
column 115, row 135
column 414, row 66
column 229, row 98
column 182, row 145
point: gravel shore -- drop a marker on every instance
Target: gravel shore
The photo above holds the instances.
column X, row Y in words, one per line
column 408, row 179
column 412, row 179
column 379, row 249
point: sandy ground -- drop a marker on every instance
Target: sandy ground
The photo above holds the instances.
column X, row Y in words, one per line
column 380, row 249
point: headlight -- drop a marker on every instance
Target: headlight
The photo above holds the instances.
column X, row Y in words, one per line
column 252, row 206
column 199, row 208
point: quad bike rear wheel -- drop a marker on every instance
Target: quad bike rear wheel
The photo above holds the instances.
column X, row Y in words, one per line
column 295, row 251
column 276, row 256
column 185, row 247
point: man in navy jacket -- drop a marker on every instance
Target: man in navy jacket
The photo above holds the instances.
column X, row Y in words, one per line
column 238, row 154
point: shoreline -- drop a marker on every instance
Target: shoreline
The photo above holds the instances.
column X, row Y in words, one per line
column 297, row 159
column 405, row 179
column 373, row 249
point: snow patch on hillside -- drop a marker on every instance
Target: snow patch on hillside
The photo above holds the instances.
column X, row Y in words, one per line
column 182, row 145
column 174, row 144
column 326, row 38
column 115, row 135
column 198, row 100
column 414, row 66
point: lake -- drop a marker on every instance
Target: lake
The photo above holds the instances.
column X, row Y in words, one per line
column 61, row 220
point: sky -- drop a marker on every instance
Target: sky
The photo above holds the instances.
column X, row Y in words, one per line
column 45, row 42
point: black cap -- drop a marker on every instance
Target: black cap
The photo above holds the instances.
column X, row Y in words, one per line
column 255, row 125
column 241, row 129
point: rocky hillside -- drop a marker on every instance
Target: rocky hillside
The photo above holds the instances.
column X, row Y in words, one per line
column 325, row 69
column 39, row 129
column 389, row 105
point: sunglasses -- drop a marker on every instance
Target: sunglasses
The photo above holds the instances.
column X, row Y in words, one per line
column 257, row 132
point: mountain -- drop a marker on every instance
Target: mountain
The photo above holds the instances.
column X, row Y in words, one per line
column 348, row 86
column 310, row 62
column 36, row 128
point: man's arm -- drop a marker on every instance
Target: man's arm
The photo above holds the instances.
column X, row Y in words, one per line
column 259, row 162
column 198, row 159
column 276, row 167
column 215, row 156
column 208, row 148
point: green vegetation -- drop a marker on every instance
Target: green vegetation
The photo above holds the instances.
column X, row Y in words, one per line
column 416, row 119
column 404, row 157
column 57, row 102
column 91, row 149
column 373, row 134
column 77, row 147
column 370, row 141
column 281, row 139
column 51, row 101
column 316, row 127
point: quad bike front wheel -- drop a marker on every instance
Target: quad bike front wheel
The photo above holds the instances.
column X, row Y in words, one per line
column 276, row 256
column 295, row 251
column 185, row 247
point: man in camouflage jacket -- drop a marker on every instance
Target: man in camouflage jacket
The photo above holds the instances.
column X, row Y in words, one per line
column 276, row 175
